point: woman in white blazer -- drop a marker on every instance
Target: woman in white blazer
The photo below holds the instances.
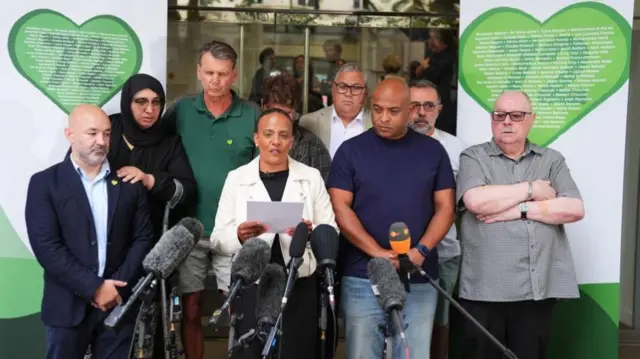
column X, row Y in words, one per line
column 274, row 176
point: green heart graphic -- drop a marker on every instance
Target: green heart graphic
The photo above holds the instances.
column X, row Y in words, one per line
column 229, row 142
column 74, row 64
column 568, row 65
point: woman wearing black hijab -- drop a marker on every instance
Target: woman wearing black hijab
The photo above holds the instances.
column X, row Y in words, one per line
column 143, row 151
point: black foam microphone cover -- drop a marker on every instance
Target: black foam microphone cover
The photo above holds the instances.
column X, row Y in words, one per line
column 270, row 293
column 325, row 243
column 250, row 261
column 390, row 291
column 173, row 248
column 299, row 240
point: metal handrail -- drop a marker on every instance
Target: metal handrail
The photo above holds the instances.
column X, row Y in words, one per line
column 313, row 11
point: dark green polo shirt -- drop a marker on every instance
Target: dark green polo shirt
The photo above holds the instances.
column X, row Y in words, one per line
column 214, row 146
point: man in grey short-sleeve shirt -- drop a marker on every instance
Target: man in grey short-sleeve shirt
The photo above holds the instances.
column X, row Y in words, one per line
column 514, row 198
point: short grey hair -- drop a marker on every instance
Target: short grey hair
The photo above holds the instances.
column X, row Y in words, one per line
column 425, row 84
column 350, row 67
column 219, row 50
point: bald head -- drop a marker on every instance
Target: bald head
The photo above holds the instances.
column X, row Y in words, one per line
column 80, row 113
column 89, row 133
column 390, row 105
column 514, row 98
column 393, row 86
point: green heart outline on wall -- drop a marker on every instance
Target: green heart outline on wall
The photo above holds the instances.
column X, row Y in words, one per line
column 579, row 15
column 92, row 86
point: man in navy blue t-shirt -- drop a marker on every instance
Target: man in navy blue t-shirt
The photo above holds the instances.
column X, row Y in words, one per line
column 390, row 174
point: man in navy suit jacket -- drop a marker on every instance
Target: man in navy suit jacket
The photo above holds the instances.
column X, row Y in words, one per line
column 90, row 232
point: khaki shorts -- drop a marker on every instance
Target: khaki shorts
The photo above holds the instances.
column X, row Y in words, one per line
column 449, row 270
column 193, row 272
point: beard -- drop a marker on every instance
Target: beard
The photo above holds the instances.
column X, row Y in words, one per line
column 95, row 155
column 421, row 125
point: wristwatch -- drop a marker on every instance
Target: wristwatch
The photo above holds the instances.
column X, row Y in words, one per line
column 523, row 207
column 530, row 191
column 422, row 249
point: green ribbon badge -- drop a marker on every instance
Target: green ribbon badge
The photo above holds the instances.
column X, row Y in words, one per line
column 568, row 64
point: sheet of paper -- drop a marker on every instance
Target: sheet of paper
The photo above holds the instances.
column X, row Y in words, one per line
column 277, row 215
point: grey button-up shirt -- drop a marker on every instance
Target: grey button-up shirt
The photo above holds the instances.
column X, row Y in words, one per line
column 515, row 260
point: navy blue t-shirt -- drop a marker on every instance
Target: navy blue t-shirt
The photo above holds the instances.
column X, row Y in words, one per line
column 391, row 181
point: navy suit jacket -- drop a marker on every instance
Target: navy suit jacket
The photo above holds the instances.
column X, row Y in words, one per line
column 62, row 236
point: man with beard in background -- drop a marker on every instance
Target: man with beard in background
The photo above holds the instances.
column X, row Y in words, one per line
column 425, row 108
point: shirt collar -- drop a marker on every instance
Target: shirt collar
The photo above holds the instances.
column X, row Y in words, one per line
column 359, row 118
column 104, row 171
column 235, row 110
column 436, row 135
column 495, row 150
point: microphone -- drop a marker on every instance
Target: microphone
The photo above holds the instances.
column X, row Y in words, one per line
column 270, row 291
column 400, row 240
column 171, row 250
column 325, row 243
column 246, row 268
column 391, row 295
column 296, row 251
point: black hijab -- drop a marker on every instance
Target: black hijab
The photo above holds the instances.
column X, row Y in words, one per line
column 136, row 135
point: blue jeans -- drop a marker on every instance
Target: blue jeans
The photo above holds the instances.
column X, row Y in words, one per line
column 363, row 318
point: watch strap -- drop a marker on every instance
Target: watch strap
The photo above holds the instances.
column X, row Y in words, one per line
column 422, row 249
column 523, row 211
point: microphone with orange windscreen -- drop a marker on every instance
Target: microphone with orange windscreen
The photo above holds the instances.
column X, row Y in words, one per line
column 400, row 241
column 399, row 238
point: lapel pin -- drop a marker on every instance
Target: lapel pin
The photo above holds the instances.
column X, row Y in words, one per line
column 229, row 142
column 114, row 182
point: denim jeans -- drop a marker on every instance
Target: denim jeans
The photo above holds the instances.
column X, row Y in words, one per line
column 363, row 318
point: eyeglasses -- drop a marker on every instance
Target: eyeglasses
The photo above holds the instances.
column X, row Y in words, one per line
column 515, row 116
column 142, row 102
column 428, row 106
column 344, row 88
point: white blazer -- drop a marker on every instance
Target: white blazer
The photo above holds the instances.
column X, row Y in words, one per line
column 304, row 184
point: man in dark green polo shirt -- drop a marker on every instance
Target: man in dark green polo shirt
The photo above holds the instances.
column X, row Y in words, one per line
column 217, row 128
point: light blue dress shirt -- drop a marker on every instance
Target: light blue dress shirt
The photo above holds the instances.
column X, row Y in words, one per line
column 96, row 190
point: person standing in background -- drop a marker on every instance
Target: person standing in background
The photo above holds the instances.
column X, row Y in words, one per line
column 425, row 108
column 438, row 67
column 267, row 63
column 281, row 91
column 217, row 129
column 90, row 232
column 347, row 117
column 333, row 54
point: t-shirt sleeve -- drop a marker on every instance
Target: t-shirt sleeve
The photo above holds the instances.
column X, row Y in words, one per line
column 342, row 171
column 470, row 176
column 444, row 177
